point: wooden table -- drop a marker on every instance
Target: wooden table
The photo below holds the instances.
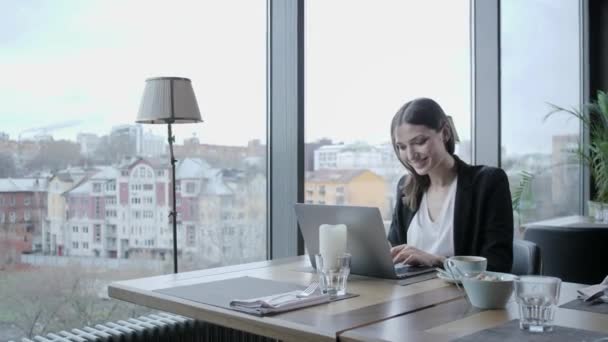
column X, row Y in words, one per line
column 380, row 299
column 458, row 318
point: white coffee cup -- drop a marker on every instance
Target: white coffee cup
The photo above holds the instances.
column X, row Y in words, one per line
column 460, row 265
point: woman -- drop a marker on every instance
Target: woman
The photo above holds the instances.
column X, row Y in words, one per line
column 444, row 206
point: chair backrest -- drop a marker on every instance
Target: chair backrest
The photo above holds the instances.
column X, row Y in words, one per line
column 526, row 258
column 574, row 254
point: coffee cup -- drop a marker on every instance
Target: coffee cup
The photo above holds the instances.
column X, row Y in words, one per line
column 461, row 265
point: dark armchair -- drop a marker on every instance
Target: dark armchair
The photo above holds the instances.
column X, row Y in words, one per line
column 574, row 254
column 526, row 258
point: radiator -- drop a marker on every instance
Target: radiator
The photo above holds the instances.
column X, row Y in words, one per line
column 154, row 328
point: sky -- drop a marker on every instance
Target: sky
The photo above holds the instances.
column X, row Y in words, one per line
column 87, row 61
column 540, row 65
column 83, row 64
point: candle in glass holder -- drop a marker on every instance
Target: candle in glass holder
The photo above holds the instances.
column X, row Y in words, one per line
column 332, row 243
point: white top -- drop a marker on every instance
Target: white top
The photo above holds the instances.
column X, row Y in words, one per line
column 434, row 237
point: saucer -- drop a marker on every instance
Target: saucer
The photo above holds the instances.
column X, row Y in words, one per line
column 448, row 279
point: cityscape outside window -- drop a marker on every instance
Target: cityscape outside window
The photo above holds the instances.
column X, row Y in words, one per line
column 531, row 144
column 354, row 87
column 84, row 191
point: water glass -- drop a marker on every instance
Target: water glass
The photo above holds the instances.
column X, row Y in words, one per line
column 333, row 275
column 537, row 298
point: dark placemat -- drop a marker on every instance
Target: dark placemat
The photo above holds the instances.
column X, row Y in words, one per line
column 510, row 332
column 579, row 304
column 220, row 293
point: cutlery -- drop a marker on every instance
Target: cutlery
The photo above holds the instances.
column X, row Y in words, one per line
column 309, row 290
column 443, row 272
column 451, row 275
column 596, row 296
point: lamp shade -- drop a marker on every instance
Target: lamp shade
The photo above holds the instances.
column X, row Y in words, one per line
column 168, row 100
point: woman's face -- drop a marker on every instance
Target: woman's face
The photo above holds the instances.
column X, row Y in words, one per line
column 420, row 147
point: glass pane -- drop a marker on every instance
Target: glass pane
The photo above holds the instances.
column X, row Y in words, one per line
column 360, row 72
column 84, row 191
column 540, row 66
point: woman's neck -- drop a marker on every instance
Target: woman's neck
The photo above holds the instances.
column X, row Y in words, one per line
column 444, row 173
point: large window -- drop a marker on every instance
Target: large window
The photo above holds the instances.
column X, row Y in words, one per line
column 72, row 76
column 363, row 61
column 540, row 65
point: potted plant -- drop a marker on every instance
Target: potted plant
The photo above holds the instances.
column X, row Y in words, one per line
column 593, row 153
column 520, row 195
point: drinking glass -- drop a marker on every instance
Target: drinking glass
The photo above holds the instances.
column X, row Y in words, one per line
column 333, row 276
column 537, row 297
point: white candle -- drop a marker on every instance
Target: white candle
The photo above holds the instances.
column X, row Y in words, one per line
column 332, row 243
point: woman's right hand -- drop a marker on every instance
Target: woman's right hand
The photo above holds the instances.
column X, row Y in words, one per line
column 397, row 249
column 406, row 254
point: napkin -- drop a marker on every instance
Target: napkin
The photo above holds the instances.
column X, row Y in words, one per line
column 595, row 290
column 278, row 302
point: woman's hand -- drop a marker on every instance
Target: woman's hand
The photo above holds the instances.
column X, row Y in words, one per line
column 406, row 254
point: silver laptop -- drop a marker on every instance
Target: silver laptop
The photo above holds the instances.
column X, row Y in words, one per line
column 366, row 239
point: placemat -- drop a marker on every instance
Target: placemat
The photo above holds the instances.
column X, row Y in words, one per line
column 221, row 292
column 579, row 304
column 510, row 332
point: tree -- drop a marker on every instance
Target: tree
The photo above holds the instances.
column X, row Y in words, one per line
column 7, row 165
column 112, row 148
column 50, row 299
column 55, row 155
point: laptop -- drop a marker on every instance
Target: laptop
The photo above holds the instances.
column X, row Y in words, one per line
column 366, row 239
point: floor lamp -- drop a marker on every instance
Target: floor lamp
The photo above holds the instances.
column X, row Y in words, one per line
column 169, row 100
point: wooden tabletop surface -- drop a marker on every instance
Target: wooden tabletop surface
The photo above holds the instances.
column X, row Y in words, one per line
column 378, row 300
column 458, row 318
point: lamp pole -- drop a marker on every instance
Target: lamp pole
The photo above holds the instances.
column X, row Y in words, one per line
column 173, row 213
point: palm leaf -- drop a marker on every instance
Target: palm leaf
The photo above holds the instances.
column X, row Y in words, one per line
column 573, row 112
column 521, row 189
column 595, row 153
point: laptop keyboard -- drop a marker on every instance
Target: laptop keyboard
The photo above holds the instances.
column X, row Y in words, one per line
column 408, row 270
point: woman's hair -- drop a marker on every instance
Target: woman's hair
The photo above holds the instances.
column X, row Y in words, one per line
column 426, row 112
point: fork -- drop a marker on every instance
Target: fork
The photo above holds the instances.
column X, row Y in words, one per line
column 312, row 287
column 596, row 297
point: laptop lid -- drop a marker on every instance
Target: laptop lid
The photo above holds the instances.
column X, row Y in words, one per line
column 366, row 239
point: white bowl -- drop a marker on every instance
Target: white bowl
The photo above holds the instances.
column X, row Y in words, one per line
column 489, row 294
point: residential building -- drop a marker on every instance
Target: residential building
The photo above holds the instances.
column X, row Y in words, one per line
column 379, row 159
column 54, row 224
column 352, row 187
column 88, row 143
column 220, row 155
column 22, row 212
column 153, row 145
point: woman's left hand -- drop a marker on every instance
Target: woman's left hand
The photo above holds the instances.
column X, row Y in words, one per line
column 414, row 256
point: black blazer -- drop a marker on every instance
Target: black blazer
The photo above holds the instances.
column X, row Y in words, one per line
column 483, row 216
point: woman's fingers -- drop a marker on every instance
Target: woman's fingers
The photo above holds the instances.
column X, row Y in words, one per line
column 397, row 249
column 419, row 259
column 411, row 255
column 398, row 258
column 402, row 255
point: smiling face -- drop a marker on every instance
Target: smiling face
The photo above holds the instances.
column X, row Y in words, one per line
column 420, row 147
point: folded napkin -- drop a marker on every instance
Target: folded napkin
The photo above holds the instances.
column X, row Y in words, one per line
column 278, row 302
column 596, row 291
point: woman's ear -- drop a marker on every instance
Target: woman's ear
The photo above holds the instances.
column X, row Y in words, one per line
column 446, row 133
